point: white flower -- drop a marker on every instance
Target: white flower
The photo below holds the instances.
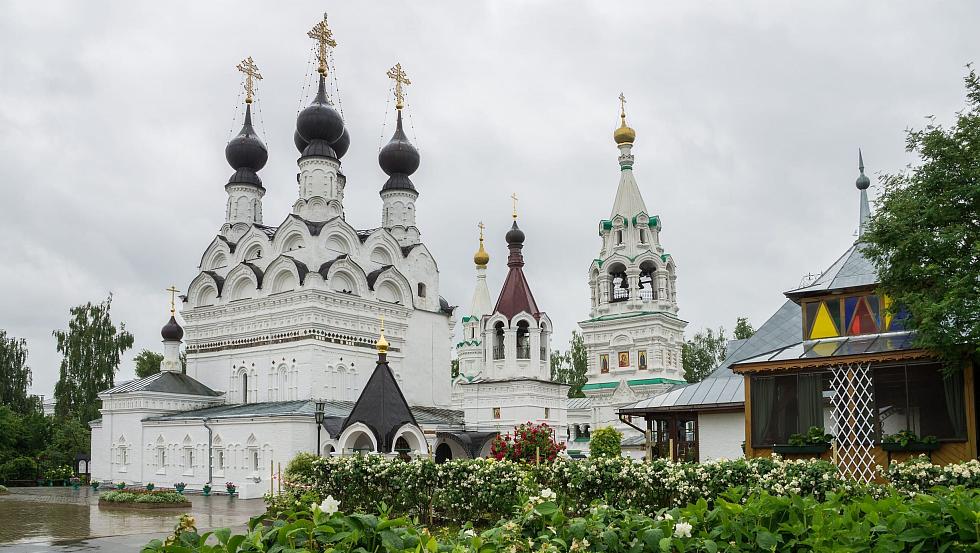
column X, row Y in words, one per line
column 547, row 494
column 330, row 505
column 682, row 530
column 469, row 533
column 668, row 516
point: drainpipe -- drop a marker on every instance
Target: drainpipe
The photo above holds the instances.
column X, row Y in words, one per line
column 210, row 451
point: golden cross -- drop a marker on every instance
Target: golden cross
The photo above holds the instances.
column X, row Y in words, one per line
column 251, row 71
column 514, row 197
column 322, row 34
column 482, row 226
column 173, row 292
column 400, row 78
column 622, row 105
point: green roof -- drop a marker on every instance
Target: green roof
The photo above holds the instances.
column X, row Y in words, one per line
column 468, row 343
column 628, row 315
column 634, row 382
column 649, row 381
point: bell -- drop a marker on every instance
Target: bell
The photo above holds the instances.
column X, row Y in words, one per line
column 641, row 284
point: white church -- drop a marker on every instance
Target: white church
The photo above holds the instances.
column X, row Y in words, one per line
column 281, row 328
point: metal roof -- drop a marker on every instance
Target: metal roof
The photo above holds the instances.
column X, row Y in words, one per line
column 851, row 270
column 837, row 347
column 165, row 382
column 783, row 328
column 710, row 392
column 580, row 403
column 338, row 410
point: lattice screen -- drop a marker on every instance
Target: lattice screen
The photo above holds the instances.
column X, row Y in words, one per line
column 852, row 416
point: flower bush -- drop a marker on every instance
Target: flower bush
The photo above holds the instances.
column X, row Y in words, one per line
column 142, row 496
column 948, row 520
column 606, row 442
column 531, row 443
column 918, row 475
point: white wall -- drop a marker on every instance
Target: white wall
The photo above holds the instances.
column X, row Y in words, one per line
column 721, row 435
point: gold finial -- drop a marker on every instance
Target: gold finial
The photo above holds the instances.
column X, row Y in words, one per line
column 173, row 296
column 514, row 197
column 382, row 344
column 252, row 74
column 624, row 134
column 481, row 257
column 322, row 34
column 400, row 79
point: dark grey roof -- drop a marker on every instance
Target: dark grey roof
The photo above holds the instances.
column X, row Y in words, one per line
column 579, row 403
column 372, row 277
column 722, row 388
column 437, row 415
column 381, row 406
column 851, row 270
column 783, row 328
column 838, row 347
column 264, row 409
column 165, row 382
column 472, row 442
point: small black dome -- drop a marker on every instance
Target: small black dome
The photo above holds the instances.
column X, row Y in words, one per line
column 399, row 156
column 319, row 148
column 342, row 144
column 171, row 331
column 863, row 182
column 515, row 235
column 246, row 151
column 300, row 142
column 320, row 120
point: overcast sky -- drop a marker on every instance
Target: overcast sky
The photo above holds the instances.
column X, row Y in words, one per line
column 114, row 117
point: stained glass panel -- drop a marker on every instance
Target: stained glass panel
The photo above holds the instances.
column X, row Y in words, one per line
column 850, row 304
column 811, row 315
column 823, row 325
column 862, row 322
column 875, row 306
column 833, row 307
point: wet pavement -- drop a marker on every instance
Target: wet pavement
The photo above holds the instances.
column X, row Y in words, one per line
column 63, row 519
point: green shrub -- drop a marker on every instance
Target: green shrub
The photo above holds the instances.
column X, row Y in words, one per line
column 301, row 464
column 947, row 520
column 142, row 496
column 606, row 442
column 18, row 468
column 3, row 490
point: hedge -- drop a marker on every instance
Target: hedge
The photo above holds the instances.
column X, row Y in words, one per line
column 948, row 520
column 487, row 490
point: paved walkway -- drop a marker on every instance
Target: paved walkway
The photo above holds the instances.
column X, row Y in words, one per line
column 63, row 519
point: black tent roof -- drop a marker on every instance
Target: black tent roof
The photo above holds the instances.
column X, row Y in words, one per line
column 381, row 406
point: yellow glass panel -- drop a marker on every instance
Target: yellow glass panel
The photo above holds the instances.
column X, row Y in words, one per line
column 823, row 326
column 886, row 303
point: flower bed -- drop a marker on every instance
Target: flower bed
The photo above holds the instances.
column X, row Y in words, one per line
column 947, row 520
column 143, row 499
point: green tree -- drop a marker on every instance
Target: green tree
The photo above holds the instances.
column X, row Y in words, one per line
column 91, row 349
column 924, row 238
column 147, row 363
column 15, row 375
column 453, row 368
column 743, row 328
column 68, row 437
column 606, row 442
column 570, row 367
column 702, row 353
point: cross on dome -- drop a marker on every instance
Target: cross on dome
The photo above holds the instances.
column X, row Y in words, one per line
column 322, row 34
column 251, row 71
column 401, row 79
column 514, row 198
column 173, row 296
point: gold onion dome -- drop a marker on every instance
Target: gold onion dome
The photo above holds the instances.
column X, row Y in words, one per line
column 382, row 344
column 624, row 134
column 481, row 257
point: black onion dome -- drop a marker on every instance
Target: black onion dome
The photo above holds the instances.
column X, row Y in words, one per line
column 246, row 153
column 342, row 144
column 319, row 148
column 300, row 142
column 319, row 120
column 171, row 331
column 515, row 235
column 399, row 159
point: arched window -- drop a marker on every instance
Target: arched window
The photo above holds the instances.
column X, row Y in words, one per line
column 523, row 341
column 643, row 236
column 648, row 274
column 619, row 288
column 244, row 387
column 498, row 340
column 619, row 237
column 421, row 290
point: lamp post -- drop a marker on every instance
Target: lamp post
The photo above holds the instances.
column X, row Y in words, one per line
column 318, row 417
